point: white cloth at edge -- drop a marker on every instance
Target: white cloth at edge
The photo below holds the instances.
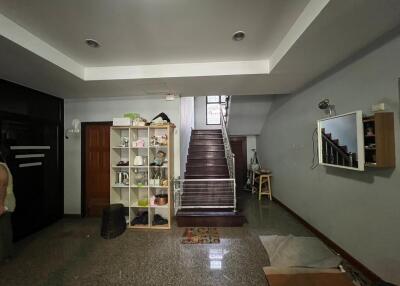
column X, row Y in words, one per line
column 292, row 251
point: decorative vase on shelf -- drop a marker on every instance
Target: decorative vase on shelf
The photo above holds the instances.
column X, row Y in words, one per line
column 138, row 161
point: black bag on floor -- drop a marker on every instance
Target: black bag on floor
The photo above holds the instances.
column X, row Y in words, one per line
column 113, row 223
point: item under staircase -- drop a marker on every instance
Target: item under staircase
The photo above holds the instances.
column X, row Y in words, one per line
column 207, row 194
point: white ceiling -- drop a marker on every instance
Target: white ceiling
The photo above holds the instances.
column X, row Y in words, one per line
column 286, row 47
column 147, row 32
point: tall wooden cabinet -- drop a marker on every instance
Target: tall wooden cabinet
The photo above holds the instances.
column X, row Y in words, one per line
column 138, row 179
column 32, row 135
column 379, row 140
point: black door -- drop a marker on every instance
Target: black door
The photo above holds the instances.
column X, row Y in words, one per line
column 238, row 145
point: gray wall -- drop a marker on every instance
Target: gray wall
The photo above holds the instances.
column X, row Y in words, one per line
column 247, row 114
column 357, row 210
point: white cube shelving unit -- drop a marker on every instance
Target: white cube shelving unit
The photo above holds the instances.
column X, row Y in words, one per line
column 136, row 193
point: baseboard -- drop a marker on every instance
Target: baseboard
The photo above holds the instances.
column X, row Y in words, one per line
column 72, row 216
column 357, row 264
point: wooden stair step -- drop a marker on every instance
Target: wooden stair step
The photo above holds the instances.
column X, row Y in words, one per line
column 206, row 137
column 199, row 131
column 213, row 142
column 206, row 155
column 210, row 148
column 205, row 176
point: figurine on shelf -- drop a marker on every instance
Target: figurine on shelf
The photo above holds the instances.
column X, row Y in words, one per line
column 370, row 131
column 163, row 140
column 160, row 159
column 164, row 182
column 138, row 143
column 154, row 141
column 124, row 142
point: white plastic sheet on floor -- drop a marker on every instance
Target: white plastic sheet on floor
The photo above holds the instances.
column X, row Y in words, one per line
column 292, row 251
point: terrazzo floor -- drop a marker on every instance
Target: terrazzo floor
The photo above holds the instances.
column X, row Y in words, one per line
column 71, row 252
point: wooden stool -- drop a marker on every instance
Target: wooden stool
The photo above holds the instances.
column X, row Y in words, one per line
column 265, row 186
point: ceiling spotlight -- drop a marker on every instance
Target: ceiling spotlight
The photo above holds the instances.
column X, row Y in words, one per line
column 238, row 36
column 92, row 43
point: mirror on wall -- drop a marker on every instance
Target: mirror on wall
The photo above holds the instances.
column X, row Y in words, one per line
column 341, row 141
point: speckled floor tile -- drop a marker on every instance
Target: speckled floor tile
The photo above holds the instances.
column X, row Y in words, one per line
column 71, row 252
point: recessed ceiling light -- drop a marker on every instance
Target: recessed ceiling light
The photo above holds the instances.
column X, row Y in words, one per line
column 238, row 36
column 92, row 43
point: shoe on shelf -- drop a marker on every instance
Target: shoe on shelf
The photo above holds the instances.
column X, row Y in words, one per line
column 123, row 163
column 159, row 220
column 142, row 218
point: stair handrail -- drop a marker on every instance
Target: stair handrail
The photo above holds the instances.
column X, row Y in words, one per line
column 227, row 110
column 227, row 146
column 230, row 157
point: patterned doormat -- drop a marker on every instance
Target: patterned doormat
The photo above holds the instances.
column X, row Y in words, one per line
column 200, row 235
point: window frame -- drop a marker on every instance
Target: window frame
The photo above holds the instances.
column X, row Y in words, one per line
column 219, row 102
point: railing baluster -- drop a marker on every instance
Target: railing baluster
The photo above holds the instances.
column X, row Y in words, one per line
column 326, row 152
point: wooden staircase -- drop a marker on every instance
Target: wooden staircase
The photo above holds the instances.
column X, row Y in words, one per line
column 211, row 201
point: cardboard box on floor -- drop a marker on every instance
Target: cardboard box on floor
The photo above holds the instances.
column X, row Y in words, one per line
column 297, row 276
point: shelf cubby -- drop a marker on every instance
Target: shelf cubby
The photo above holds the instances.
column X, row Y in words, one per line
column 379, row 140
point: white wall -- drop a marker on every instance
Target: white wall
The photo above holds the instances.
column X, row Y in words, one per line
column 105, row 109
column 187, row 124
column 357, row 210
column 200, row 114
column 251, row 144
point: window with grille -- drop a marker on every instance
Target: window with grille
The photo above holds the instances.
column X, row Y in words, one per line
column 213, row 110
